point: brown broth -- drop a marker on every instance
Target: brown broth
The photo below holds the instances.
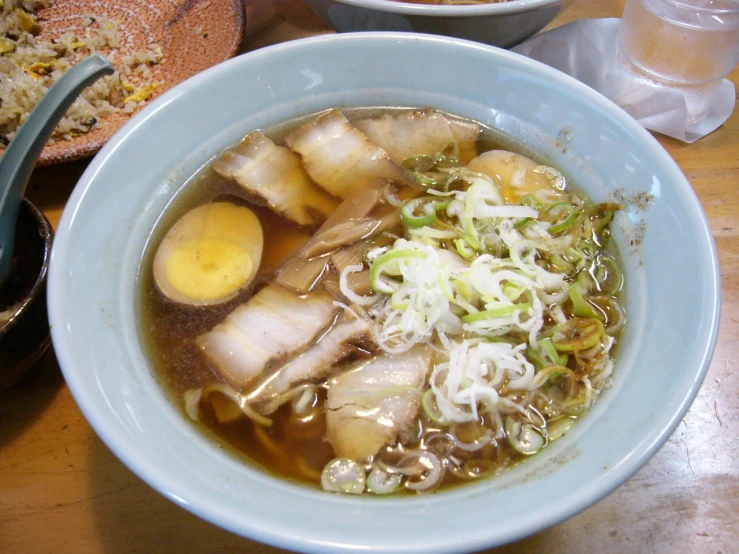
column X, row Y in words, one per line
column 291, row 448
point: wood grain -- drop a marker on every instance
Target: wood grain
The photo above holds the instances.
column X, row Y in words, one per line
column 62, row 490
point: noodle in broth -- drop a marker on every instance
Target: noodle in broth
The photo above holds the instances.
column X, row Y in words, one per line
column 466, row 318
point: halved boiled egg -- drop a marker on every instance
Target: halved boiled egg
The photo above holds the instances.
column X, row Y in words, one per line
column 518, row 176
column 209, row 255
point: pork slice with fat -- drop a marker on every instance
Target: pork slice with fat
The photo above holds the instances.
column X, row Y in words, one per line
column 375, row 402
column 273, row 325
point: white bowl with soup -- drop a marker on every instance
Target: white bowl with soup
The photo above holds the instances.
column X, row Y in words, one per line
column 327, row 308
column 503, row 23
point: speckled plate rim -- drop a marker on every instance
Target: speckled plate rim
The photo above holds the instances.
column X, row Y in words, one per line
column 157, row 474
column 81, row 147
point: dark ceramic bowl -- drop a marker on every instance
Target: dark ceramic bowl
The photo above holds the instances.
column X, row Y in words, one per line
column 24, row 326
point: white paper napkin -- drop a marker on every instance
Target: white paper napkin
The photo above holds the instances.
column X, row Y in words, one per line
column 588, row 51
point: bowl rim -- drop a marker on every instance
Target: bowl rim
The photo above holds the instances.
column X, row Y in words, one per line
column 461, row 11
column 157, row 477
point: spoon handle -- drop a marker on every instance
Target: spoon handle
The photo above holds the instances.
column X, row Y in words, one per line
column 23, row 151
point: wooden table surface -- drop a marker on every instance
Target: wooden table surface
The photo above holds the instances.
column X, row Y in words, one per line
column 62, row 490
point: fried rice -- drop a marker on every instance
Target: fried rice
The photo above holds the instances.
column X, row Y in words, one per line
column 29, row 65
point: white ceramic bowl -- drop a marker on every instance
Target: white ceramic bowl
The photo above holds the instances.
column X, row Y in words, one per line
column 673, row 294
column 501, row 24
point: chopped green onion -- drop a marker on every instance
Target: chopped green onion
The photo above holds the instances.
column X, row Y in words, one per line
column 577, row 406
column 192, row 403
column 429, row 406
column 580, row 306
column 574, row 255
column 577, row 334
column 382, row 482
column 551, row 353
column 552, row 374
column 464, row 289
column 391, row 196
column 615, row 317
column 580, row 405
column 464, row 250
column 567, row 222
column 608, row 277
column 400, row 299
column 419, row 164
column 343, row 475
column 513, row 292
column 500, row 311
column 389, row 263
column 531, row 201
column 428, row 205
column 546, row 355
column 536, row 357
column 523, row 437
column 556, row 428
column 523, row 222
column 425, row 182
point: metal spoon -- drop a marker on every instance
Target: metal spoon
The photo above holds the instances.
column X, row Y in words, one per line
column 22, row 153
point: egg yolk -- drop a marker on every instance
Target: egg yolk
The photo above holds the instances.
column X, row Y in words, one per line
column 209, row 268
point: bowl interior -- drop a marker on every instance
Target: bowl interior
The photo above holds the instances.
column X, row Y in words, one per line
column 668, row 253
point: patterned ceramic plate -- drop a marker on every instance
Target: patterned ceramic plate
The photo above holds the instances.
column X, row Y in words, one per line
column 193, row 34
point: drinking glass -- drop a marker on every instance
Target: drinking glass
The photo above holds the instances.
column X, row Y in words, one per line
column 682, row 41
column 688, row 44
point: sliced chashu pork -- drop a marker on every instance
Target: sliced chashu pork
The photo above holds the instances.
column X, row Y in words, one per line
column 348, row 337
column 272, row 326
column 418, row 132
column 340, row 158
column 374, row 403
column 276, row 174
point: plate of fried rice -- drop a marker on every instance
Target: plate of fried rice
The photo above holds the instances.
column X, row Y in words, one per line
column 153, row 44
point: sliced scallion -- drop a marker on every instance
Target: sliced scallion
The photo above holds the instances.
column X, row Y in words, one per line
column 421, row 212
column 382, row 482
column 391, row 196
column 556, row 428
column 464, row 250
column 566, row 222
column 552, row 374
column 608, row 277
column 389, row 264
column 580, row 306
column 578, row 333
column 429, row 406
column 425, row 182
column 523, row 437
column 499, row 311
column 546, row 355
column 614, row 312
column 343, row 475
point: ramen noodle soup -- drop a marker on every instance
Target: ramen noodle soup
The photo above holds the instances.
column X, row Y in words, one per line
column 382, row 301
